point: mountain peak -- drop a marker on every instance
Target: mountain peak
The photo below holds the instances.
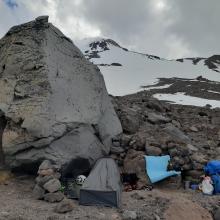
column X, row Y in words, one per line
column 102, row 44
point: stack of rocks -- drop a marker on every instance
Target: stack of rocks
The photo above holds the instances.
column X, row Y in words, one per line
column 48, row 186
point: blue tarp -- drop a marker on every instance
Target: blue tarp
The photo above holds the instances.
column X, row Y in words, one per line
column 156, row 168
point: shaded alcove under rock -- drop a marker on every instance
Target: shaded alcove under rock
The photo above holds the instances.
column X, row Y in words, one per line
column 79, row 166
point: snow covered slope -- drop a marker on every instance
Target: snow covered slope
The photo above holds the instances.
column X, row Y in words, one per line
column 128, row 72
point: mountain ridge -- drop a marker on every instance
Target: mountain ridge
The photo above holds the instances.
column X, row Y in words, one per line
column 104, row 42
column 127, row 72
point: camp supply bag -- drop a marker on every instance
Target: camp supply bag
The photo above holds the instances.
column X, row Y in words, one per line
column 206, row 186
column 216, row 183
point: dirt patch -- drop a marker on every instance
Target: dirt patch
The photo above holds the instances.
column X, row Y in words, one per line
column 185, row 209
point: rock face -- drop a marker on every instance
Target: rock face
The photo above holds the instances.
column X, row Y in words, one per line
column 2, row 126
column 55, row 101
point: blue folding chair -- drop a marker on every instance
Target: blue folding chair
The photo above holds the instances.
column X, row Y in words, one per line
column 156, row 168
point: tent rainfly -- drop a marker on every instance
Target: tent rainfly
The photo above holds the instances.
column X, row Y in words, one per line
column 103, row 185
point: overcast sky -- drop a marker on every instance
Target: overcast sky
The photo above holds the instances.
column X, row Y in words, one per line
column 168, row 28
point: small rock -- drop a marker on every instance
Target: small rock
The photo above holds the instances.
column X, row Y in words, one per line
column 217, row 214
column 116, row 150
column 4, row 214
column 178, row 160
column 54, row 197
column 197, row 166
column 153, row 151
column 137, row 196
column 173, row 152
column 46, row 164
column 115, row 216
column 191, row 147
column 53, row 217
column 52, row 185
column 195, row 173
column 176, row 123
column 130, row 120
column 215, row 120
column 171, row 145
column 156, row 119
column 194, row 129
column 129, row 215
column 41, row 180
column 64, row 206
column 208, row 106
column 156, row 217
column 38, row 192
column 200, row 158
column 219, row 135
column 47, row 172
column 187, row 167
column 218, row 150
column 155, row 105
column 124, row 140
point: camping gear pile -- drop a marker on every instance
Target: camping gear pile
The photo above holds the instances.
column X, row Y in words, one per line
column 103, row 185
column 211, row 181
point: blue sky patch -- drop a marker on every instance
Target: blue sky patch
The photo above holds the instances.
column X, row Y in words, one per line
column 11, row 3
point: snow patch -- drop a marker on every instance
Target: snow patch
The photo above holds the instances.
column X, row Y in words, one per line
column 182, row 99
column 158, row 87
column 213, row 91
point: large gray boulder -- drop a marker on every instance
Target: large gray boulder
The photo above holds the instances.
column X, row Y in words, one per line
column 55, row 101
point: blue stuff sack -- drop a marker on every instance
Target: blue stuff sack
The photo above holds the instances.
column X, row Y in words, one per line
column 212, row 167
column 216, row 183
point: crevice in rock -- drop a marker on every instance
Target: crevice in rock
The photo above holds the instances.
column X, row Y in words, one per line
column 97, row 134
column 3, row 122
column 28, row 168
column 19, row 43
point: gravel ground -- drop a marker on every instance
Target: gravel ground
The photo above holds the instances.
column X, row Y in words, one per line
column 17, row 203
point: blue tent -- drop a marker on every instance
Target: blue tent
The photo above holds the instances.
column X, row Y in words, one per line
column 156, row 168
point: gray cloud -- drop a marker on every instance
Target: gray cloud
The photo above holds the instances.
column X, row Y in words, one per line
column 169, row 28
column 11, row 3
column 197, row 22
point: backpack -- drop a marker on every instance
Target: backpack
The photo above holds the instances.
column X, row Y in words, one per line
column 216, row 183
